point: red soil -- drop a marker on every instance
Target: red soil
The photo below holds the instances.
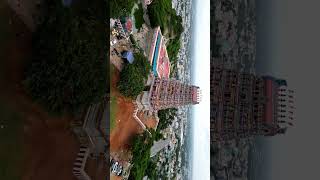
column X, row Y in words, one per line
column 126, row 126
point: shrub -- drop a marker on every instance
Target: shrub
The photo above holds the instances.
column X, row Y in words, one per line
column 69, row 69
column 132, row 76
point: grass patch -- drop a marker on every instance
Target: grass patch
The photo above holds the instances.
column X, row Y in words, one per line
column 11, row 154
column 138, row 16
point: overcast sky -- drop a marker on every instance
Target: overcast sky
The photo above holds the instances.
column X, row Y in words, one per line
column 201, row 78
column 293, row 51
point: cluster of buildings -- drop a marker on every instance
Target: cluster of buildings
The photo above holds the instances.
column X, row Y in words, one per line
column 162, row 92
column 231, row 162
column 182, row 69
column 244, row 105
column 120, row 29
column 234, row 33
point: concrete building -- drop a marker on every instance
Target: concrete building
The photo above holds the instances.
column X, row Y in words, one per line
column 244, row 105
column 80, row 163
column 92, row 134
column 163, row 93
column 157, row 54
column 158, row 146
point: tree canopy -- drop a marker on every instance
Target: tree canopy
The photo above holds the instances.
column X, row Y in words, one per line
column 120, row 8
column 141, row 153
column 69, row 69
column 133, row 76
column 165, row 117
column 138, row 16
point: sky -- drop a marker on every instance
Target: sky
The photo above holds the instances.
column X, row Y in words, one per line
column 288, row 47
column 201, row 77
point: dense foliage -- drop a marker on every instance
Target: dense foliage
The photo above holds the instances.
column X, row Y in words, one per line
column 142, row 164
column 141, row 153
column 120, row 8
column 138, row 16
column 173, row 50
column 151, row 170
column 132, row 76
column 165, row 117
column 69, row 69
column 162, row 14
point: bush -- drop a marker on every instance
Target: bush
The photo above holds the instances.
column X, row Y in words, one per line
column 68, row 70
column 173, row 50
column 162, row 14
column 120, row 8
column 132, row 76
column 165, row 118
column 138, row 16
column 141, row 154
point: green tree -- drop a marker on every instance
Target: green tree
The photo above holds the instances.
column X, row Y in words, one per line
column 138, row 16
column 68, row 70
column 133, row 76
column 120, row 8
column 162, row 14
column 165, row 117
column 140, row 148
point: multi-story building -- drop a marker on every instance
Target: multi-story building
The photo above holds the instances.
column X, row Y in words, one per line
column 244, row 105
column 157, row 53
column 92, row 133
column 164, row 93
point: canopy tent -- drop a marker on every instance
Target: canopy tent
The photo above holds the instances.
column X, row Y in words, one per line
column 128, row 55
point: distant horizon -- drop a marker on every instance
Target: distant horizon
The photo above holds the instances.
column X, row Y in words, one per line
column 288, row 48
column 200, row 73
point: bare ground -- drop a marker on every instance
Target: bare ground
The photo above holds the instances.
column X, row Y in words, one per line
column 126, row 126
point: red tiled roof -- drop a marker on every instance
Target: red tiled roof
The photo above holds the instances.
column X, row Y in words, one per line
column 163, row 65
column 129, row 25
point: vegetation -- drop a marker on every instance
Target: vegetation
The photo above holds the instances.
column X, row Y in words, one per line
column 69, row 69
column 162, row 14
column 141, row 153
column 142, row 164
column 119, row 8
column 11, row 155
column 151, row 170
column 132, row 76
column 138, row 16
column 165, row 117
column 173, row 50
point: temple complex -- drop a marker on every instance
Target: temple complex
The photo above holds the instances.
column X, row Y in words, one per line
column 245, row 105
